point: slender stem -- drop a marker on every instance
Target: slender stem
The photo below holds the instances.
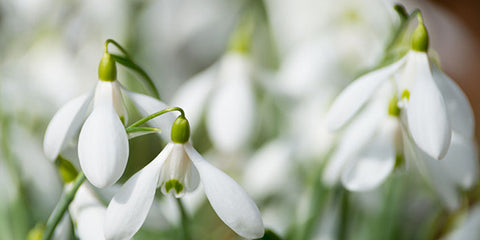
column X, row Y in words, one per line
column 128, row 62
column 136, row 68
column 185, row 220
column 118, row 46
column 147, row 118
column 344, row 212
column 62, row 207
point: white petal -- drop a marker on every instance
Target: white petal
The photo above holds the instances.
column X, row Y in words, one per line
column 148, row 105
column 228, row 199
column 459, row 109
column 468, row 229
column 375, row 163
column 103, row 144
column 461, row 161
column 129, row 207
column 64, row 124
column 88, row 213
column 355, row 137
column 434, row 173
column 118, row 101
column 357, row 94
column 193, row 95
column 426, row 112
column 230, row 114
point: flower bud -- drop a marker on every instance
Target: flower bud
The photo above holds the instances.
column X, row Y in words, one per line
column 107, row 70
column 180, row 130
column 420, row 38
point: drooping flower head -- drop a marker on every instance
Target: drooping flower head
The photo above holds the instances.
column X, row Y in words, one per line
column 178, row 170
column 103, row 142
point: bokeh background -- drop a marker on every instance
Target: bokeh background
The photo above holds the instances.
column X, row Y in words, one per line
column 49, row 53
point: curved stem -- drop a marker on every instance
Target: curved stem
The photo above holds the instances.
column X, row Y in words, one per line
column 62, row 207
column 128, row 62
column 185, row 227
column 108, row 41
column 147, row 118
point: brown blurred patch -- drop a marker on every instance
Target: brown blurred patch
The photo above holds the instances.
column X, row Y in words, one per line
column 468, row 13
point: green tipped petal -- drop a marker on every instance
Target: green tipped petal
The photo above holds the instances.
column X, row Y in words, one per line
column 173, row 184
column 107, row 70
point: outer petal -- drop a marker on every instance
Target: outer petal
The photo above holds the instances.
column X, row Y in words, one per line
column 193, row 94
column 147, row 105
column 426, row 112
column 461, row 161
column 356, row 95
column 103, row 142
column 64, row 124
column 231, row 111
column 434, row 173
column 228, row 199
column 88, row 213
column 129, row 207
column 355, row 137
column 375, row 163
column 459, row 109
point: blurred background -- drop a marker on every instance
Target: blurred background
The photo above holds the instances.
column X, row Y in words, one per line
column 301, row 54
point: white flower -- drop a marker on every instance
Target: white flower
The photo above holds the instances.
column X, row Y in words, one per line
column 434, row 105
column 366, row 153
column 103, row 142
column 88, row 214
column 433, row 113
column 177, row 170
column 225, row 93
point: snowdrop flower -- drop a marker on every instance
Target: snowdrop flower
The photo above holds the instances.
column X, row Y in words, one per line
column 103, row 142
column 434, row 105
column 225, row 93
column 366, row 153
column 431, row 119
column 87, row 213
column 178, row 170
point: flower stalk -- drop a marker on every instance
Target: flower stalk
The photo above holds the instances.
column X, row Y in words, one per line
column 62, row 207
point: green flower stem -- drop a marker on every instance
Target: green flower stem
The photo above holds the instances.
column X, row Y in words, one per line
column 185, row 220
column 62, row 207
column 148, row 118
column 128, row 62
column 344, row 215
column 142, row 129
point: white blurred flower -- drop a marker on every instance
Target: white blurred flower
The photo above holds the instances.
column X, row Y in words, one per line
column 434, row 105
column 87, row 213
column 366, row 153
column 177, row 170
column 433, row 113
column 103, row 142
column 225, row 91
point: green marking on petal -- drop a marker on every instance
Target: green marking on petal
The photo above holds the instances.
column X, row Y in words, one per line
column 393, row 108
column 173, row 184
column 406, row 94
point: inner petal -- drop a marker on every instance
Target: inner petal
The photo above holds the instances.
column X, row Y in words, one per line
column 178, row 175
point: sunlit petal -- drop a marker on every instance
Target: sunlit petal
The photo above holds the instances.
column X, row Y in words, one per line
column 230, row 201
column 64, row 124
